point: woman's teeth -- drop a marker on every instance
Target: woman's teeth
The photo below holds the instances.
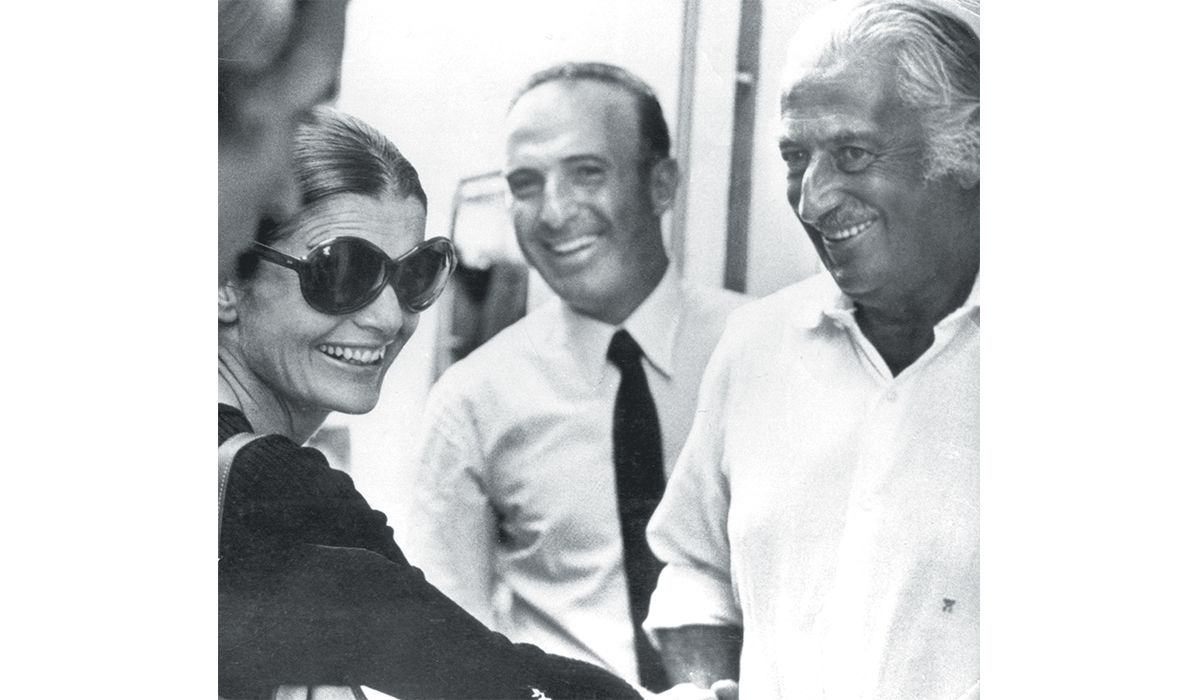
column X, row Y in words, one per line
column 355, row 356
column 848, row 232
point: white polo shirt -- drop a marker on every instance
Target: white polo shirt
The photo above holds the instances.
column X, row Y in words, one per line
column 829, row 508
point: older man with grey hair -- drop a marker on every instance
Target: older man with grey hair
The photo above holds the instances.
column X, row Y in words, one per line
column 821, row 528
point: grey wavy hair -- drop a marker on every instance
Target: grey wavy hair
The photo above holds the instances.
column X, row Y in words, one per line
column 937, row 58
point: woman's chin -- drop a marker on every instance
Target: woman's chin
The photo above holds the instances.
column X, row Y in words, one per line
column 354, row 405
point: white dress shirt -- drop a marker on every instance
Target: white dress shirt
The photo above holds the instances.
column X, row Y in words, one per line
column 829, row 508
column 515, row 516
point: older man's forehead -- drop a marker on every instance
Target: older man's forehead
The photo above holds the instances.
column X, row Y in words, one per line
column 839, row 100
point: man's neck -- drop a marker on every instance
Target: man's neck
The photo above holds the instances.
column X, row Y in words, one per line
column 626, row 301
column 266, row 411
column 903, row 331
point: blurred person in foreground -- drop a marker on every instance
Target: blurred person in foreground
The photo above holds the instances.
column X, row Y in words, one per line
column 276, row 59
column 826, row 504
column 545, row 451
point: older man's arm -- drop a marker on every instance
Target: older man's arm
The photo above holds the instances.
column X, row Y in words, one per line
column 694, row 617
column 701, row 654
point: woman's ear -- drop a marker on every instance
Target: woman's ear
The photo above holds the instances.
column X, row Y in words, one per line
column 227, row 302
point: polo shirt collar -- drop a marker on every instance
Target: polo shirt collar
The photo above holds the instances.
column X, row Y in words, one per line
column 828, row 302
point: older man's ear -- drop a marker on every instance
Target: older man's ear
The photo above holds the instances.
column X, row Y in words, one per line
column 227, row 301
column 968, row 181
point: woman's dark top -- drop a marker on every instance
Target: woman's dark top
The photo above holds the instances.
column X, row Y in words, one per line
column 313, row 590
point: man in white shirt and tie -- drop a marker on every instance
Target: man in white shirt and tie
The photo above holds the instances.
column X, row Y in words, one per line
column 545, row 451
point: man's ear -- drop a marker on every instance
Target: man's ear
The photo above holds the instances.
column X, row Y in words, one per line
column 664, row 178
column 228, row 296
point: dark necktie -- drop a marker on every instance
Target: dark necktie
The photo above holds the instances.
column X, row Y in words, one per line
column 637, row 456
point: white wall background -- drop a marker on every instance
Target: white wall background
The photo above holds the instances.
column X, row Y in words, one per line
column 437, row 80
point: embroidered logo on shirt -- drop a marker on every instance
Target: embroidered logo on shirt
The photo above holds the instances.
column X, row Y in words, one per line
column 947, row 605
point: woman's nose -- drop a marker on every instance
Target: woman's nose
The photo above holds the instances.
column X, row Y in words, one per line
column 387, row 316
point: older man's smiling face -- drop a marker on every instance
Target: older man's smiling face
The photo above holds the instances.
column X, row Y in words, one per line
column 855, row 159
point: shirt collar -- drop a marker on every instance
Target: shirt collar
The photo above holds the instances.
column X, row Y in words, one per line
column 654, row 325
column 828, row 302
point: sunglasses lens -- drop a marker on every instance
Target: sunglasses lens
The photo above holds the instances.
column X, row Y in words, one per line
column 422, row 276
column 342, row 275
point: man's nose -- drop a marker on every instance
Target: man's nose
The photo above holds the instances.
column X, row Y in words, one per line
column 283, row 198
column 558, row 203
column 819, row 190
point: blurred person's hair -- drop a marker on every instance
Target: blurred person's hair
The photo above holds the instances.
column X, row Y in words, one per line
column 251, row 36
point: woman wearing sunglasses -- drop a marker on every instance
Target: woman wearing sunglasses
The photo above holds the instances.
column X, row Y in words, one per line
column 313, row 589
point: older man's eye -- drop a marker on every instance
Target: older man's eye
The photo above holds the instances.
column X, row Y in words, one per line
column 796, row 161
column 852, row 159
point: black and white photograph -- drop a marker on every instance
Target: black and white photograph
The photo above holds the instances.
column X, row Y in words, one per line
column 649, row 368
column 607, row 349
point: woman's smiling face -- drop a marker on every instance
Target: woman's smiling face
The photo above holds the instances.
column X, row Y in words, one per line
column 316, row 361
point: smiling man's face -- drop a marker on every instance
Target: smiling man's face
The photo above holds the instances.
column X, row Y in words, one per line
column 580, row 198
column 855, row 156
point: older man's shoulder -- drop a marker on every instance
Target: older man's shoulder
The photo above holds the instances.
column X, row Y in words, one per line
column 791, row 303
column 710, row 306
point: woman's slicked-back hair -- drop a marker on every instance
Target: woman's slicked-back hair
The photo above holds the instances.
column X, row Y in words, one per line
column 656, row 139
column 334, row 153
column 937, row 59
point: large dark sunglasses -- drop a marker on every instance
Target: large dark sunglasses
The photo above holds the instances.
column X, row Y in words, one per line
column 345, row 274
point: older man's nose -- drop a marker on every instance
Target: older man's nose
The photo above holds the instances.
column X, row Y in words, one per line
column 819, row 192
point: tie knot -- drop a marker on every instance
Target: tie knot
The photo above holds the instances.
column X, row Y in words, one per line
column 623, row 351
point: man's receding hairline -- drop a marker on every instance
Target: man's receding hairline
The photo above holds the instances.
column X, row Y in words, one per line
column 575, row 82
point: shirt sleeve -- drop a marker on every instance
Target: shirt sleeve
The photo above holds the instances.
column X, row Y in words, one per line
column 688, row 531
column 451, row 529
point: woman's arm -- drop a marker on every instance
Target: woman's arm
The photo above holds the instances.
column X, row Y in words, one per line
column 332, row 615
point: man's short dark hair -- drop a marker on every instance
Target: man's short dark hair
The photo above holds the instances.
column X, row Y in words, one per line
column 656, row 140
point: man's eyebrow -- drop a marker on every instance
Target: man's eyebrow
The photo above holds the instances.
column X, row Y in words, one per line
column 839, row 136
column 853, row 135
column 585, row 157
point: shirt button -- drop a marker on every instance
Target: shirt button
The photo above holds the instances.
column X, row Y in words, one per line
column 891, row 395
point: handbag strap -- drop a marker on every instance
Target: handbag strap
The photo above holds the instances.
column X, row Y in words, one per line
column 225, row 455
